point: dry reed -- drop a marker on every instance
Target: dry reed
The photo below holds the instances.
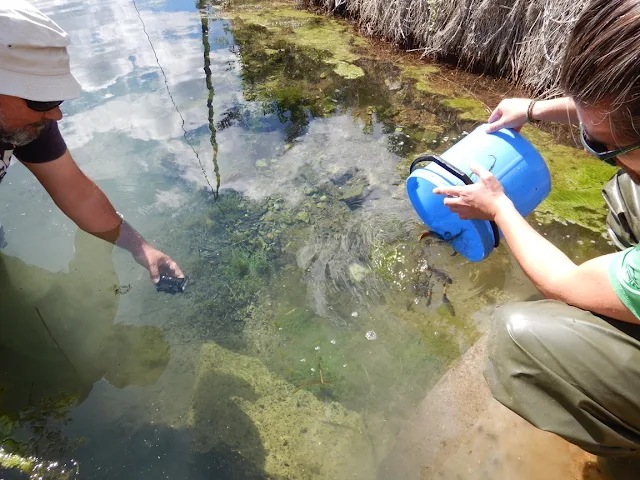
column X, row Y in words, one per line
column 522, row 40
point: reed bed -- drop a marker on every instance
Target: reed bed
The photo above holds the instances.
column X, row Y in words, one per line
column 522, row 40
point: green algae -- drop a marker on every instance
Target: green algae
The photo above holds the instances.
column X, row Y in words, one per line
column 278, row 321
column 294, row 82
column 45, row 420
column 423, row 76
column 358, row 272
column 241, row 406
column 37, row 468
column 427, row 82
column 292, row 61
column 469, row 108
column 305, row 29
column 348, row 70
column 16, row 462
column 385, row 375
column 350, row 192
column 576, row 183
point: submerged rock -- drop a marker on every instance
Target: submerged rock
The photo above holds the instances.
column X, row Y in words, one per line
column 354, row 195
column 242, row 408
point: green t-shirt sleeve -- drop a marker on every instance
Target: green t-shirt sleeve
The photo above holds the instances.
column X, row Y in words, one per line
column 624, row 273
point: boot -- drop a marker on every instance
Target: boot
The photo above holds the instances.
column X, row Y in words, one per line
column 620, row 468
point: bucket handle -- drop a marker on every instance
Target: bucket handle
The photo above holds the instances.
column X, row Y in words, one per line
column 456, row 172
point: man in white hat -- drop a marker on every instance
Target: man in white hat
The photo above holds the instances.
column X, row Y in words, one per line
column 35, row 78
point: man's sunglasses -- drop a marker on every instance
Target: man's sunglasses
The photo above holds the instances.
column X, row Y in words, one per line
column 600, row 150
column 43, row 106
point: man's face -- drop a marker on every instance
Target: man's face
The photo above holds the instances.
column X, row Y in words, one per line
column 19, row 124
column 598, row 127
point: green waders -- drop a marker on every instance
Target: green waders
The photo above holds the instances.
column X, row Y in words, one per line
column 571, row 372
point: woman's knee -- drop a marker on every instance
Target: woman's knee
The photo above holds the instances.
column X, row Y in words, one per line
column 527, row 338
column 529, row 325
column 515, row 324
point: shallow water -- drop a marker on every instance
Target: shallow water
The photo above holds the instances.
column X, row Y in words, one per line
column 315, row 320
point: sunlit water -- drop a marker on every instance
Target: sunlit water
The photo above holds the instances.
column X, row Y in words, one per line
column 315, row 320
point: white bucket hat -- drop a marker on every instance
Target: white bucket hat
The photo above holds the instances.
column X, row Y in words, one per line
column 34, row 63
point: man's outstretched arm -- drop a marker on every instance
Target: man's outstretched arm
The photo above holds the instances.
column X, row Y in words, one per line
column 84, row 203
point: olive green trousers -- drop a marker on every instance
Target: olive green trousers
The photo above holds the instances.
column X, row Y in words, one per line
column 571, row 372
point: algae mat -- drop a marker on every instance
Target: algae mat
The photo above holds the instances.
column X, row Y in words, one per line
column 239, row 405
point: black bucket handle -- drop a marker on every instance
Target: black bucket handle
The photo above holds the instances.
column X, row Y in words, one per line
column 456, row 172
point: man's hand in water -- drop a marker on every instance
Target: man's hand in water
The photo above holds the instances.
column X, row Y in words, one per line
column 84, row 203
column 157, row 263
column 480, row 201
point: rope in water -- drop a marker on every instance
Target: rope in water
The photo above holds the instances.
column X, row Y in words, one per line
column 166, row 82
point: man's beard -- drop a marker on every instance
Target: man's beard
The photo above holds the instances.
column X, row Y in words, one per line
column 23, row 135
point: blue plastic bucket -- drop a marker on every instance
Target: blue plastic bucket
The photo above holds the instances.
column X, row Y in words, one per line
column 508, row 155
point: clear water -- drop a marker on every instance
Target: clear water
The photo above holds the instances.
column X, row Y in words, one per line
column 315, row 321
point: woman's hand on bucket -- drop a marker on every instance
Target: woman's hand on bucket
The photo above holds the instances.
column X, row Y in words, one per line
column 480, row 201
column 510, row 113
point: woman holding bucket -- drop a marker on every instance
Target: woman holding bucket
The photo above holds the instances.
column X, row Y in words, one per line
column 571, row 364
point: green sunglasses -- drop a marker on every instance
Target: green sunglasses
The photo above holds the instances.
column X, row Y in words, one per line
column 600, row 150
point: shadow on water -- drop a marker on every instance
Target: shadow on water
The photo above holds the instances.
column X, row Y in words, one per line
column 223, row 431
column 52, row 359
column 58, row 339
column 160, row 451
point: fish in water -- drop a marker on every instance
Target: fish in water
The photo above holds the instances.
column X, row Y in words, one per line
column 441, row 275
column 429, row 294
column 446, row 303
column 430, row 234
column 439, row 238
